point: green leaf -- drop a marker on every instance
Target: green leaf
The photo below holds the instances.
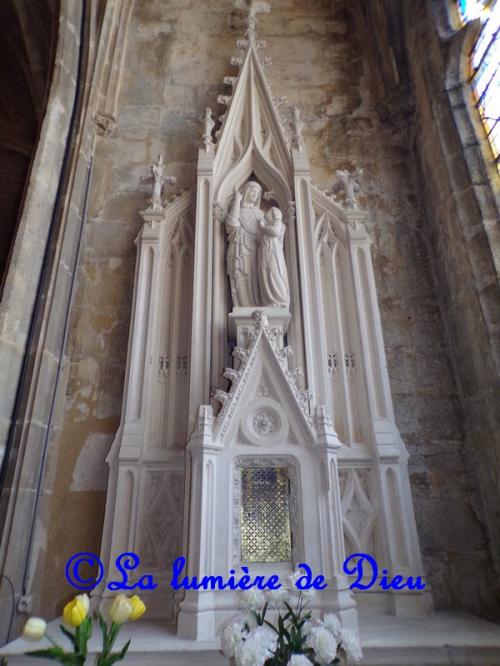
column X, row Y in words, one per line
column 54, row 653
column 290, row 611
column 125, row 648
column 88, row 627
column 269, row 624
column 43, row 654
column 117, row 656
column 69, row 635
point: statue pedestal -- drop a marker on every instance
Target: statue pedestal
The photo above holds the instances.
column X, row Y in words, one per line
column 241, row 322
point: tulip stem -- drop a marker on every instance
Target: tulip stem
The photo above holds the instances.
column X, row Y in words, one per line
column 108, row 643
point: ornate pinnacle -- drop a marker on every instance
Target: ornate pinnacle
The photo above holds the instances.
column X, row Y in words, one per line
column 251, row 9
column 208, row 125
column 297, row 126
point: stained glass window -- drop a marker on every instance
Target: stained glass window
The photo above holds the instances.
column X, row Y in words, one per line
column 265, row 515
column 485, row 65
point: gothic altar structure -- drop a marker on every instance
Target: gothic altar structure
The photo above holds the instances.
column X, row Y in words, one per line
column 257, row 426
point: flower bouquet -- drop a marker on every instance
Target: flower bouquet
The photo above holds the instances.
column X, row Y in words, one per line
column 293, row 638
column 76, row 615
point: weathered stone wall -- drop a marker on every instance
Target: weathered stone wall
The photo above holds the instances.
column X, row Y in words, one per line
column 457, row 183
column 36, row 290
column 27, row 38
column 178, row 52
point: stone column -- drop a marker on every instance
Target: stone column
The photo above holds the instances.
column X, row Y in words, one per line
column 312, row 310
column 196, row 619
column 201, row 337
column 338, row 597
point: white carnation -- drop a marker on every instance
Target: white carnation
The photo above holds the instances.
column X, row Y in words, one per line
column 323, row 643
column 277, row 596
column 298, row 660
column 259, row 645
column 306, row 628
column 352, row 645
column 291, row 581
column 231, row 636
column 332, row 623
column 252, row 599
column 308, row 595
column 291, row 585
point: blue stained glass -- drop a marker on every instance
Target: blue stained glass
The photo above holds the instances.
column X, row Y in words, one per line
column 470, row 9
column 485, row 65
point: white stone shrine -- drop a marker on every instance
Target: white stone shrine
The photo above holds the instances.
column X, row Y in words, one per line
column 228, row 452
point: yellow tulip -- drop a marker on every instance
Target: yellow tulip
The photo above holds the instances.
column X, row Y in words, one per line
column 34, row 629
column 121, row 609
column 75, row 611
column 138, row 607
column 84, row 598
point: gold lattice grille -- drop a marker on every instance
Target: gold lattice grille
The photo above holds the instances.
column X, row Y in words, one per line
column 265, row 515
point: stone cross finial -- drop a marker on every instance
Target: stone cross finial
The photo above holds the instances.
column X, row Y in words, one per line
column 252, row 8
column 349, row 183
column 158, row 171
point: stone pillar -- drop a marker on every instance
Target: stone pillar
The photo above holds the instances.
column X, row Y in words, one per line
column 338, row 597
column 196, row 619
column 201, row 337
column 312, row 309
column 127, row 448
column 396, row 505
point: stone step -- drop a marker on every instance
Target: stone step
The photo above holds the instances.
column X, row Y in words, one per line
column 429, row 640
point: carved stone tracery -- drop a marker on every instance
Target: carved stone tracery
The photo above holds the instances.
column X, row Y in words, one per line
column 162, row 522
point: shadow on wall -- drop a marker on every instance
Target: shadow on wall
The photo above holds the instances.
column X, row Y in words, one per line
column 28, row 34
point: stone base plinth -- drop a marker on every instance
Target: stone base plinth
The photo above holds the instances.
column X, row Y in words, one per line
column 435, row 639
column 241, row 321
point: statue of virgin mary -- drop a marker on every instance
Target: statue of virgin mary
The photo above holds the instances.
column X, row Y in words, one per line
column 243, row 229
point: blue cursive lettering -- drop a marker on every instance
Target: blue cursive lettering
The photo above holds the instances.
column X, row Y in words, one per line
column 361, row 566
column 306, row 581
column 245, row 582
column 365, row 568
column 129, row 562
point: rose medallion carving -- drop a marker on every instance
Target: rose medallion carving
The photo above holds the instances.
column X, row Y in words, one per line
column 265, row 422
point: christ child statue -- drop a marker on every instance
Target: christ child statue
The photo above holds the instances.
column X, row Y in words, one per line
column 273, row 276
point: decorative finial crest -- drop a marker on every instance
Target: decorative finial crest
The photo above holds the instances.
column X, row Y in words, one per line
column 349, row 185
column 158, row 171
column 252, row 8
column 208, row 125
column 260, row 318
column 297, row 126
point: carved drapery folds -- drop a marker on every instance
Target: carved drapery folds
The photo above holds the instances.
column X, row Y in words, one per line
column 255, row 257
